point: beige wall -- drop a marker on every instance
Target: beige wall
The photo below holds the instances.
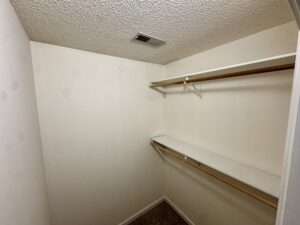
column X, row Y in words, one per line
column 23, row 198
column 97, row 115
column 244, row 119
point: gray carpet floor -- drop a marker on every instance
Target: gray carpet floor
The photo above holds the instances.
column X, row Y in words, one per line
column 162, row 214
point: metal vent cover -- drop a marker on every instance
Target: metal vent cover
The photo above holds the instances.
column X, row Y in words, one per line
column 147, row 39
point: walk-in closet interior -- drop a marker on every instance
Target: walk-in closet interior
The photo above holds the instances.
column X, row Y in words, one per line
column 149, row 112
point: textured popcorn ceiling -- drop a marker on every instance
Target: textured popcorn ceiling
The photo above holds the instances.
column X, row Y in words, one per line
column 107, row 26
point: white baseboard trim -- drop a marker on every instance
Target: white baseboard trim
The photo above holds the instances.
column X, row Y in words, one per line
column 152, row 205
column 183, row 216
column 142, row 211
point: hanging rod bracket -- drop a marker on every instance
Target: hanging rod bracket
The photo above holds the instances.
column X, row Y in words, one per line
column 193, row 89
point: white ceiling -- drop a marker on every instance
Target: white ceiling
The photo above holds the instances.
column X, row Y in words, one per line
column 107, row 26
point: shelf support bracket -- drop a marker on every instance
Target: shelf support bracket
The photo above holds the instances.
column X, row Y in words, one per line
column 159, row 90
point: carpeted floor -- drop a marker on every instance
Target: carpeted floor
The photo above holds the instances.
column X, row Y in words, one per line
column 161, row 214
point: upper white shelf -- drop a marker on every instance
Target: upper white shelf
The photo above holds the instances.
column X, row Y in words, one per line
column 259, row 179
column 277, row 63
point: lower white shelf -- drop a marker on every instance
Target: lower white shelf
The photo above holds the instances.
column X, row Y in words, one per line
column 259, row 179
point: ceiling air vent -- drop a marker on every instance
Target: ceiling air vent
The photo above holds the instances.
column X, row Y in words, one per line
column 140, row 37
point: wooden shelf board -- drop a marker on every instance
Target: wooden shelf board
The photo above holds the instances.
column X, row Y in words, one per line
column 277, row 63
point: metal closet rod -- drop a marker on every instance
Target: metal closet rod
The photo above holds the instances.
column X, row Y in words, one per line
column 227, row 75
column 236, row 184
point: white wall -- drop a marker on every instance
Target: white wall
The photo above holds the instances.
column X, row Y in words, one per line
column 97, row 115
column 244, row 119
column 292, row 205
column 23, row 199
column 289, row 207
